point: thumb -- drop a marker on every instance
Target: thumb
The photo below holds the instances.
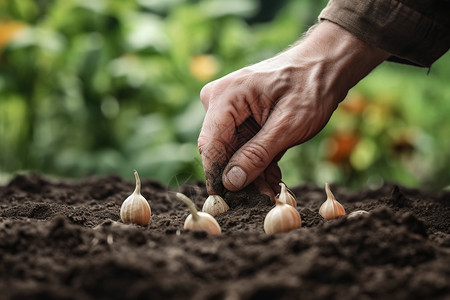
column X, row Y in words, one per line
column 253, row 158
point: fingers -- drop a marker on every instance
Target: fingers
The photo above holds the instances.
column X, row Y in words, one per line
column 211, row 145
column 217, row 140
column 268, row 183
column 264, row 188
column 215, row 145
column 231, row 130
column 214, row 157
column 206, row 94
column 255, row 156
column 272, row 176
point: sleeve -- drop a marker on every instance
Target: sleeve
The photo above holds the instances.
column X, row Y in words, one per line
column 414, row 31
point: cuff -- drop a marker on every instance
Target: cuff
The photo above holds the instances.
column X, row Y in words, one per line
column 412, row 33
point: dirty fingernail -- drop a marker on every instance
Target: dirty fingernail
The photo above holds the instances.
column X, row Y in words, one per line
column 236, row 177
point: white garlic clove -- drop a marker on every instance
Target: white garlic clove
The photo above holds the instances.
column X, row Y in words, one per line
column 199, row 221
column 215, row 205
column 331, row 208
column 357, row 213
column 206, row 222
column 287, row 196
column 135, row 209
column 282, row 218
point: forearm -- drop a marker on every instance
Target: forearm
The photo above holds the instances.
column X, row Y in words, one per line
column 336, row 57
column 350, row 57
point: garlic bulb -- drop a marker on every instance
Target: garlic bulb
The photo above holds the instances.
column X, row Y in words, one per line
column 215, row 205
column 282, row 218
column 331, row 209
column 135, row 209
column 199, row 221
column 286, row 196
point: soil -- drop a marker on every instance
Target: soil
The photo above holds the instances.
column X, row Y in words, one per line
column 64, row 240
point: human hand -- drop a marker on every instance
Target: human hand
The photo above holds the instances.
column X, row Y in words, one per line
column 255, row 114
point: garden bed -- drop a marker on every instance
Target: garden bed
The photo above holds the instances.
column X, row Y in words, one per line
column 64, row 240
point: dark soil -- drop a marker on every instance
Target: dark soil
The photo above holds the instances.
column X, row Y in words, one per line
column 64, row 240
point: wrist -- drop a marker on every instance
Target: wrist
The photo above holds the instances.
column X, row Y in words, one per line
column 339, row 52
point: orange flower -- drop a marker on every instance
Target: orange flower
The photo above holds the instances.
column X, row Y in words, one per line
column 203, row 67
column 8, row 29
column 355, row 103
column 341, row 145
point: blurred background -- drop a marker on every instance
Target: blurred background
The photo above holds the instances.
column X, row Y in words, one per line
column 108, row 86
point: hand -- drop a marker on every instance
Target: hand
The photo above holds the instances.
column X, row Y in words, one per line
column 255, row 114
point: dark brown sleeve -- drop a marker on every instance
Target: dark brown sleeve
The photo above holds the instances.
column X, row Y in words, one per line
column 413, row 31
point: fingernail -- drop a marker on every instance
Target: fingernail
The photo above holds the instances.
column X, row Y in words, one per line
column 236, row 177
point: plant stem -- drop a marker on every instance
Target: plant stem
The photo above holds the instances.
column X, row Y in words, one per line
column 328, row 191
column 190, row 205
column 138, row 183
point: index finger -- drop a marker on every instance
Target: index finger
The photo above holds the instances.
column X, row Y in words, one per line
column 215, row 144
column 218, row 140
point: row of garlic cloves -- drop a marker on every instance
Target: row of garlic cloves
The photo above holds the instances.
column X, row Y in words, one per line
column 282, row 218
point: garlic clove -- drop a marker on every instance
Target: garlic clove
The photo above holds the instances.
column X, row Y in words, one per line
column 331, row 208
column 215, row 205
column 206, row 222
column 199, row 221
column 135, row 209
column 282, row 218
column 286, row 196
column 357, row 213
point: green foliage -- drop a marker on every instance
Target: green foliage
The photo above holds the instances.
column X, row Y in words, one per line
column 110, row 86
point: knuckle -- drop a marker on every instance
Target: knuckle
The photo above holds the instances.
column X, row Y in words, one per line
column 201, row 143
column 205, row 94
column 257, row 155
